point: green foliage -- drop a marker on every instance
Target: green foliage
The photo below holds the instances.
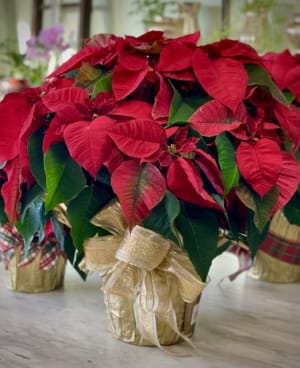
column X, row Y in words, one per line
column 257, row 6
column 259, row 76
column 226, row 159
column 32, row 222
column 151, row 9
column 200, row 230
column 36, row 160
column 30, row 196
column 18, row 66
column 64, row 177
column 73, row 255
column 3, row 217
column 80, row 210
column 264, row 207
column 103, row 84
column 254, row 236
column 182, row 108
column 292, row 210
column 163, row 216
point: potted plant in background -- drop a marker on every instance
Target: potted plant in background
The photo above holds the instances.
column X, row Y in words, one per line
column 156, row 148
column 31, row 243
column 174, row 18
column 43, row 54
column 154, row 11
column 278, row 258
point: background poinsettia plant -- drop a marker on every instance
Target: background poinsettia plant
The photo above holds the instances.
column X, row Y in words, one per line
column 190, row 139
column 284, row 68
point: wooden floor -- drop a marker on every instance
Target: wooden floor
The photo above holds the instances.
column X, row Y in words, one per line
column 243, row 324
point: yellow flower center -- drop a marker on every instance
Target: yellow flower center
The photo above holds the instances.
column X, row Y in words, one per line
column 172, row 149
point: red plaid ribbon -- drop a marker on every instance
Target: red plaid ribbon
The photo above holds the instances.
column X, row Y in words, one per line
column 244, row 260
column 10, row 239
column 282, row 249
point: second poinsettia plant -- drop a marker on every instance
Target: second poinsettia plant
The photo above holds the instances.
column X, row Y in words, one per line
column 190, row 139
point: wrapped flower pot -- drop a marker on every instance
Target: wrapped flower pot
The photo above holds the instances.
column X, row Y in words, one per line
column 150, row 286
column 278, row 258
column 40, row 269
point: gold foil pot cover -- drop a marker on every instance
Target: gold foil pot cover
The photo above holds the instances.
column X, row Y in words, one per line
column 268, row 268
column 31, row 279
column 149, row 283
column 271, row 269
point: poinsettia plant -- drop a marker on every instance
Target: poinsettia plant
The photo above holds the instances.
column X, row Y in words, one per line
column 191, row 140
column 22, row 209
column 284, row 68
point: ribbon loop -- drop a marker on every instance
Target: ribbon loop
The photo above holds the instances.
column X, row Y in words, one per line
column 143, row 248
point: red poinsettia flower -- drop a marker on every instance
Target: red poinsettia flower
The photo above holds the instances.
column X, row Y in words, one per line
column 73, row 105
column 185, row 181
column 100, row 49
column 136, row 69
column 285, row 70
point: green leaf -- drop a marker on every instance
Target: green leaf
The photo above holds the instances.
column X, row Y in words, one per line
column 35, row 155
column 32, row 222
column 72, row 74
column 64, row 177
column 80, row 210
column 264, row 207
column 103, row 84
column 224, row 247
column 104, row 176
column 290, row 97
column 200, row 230
column 254, row 236
column 162, row 217
column 3, row 217
column 259, row 76
column 31, row 195
column 292, row 210
column 58, row 231
column 73, row 255
column 226, row 159
column 86, row 76
column 181, row 108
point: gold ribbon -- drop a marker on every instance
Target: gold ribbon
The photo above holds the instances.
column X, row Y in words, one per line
column 147, row 281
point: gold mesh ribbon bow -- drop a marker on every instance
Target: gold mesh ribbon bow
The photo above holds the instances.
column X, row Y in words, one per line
column 147, row 281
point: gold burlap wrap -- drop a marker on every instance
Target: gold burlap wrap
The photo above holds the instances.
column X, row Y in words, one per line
column 268, row 268
column 30, row 279
column 151, row 289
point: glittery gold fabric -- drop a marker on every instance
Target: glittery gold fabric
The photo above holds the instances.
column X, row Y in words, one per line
column 151, row 289
column 268, row 268
column 30, row 279
column 60, row 212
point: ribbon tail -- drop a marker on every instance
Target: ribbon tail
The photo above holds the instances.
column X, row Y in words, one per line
column 244, row 261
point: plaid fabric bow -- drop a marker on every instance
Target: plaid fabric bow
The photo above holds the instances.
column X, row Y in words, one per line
column 10, row 239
